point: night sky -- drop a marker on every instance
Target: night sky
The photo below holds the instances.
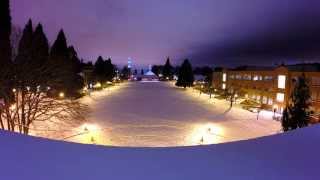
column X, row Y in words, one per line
column 214, row 32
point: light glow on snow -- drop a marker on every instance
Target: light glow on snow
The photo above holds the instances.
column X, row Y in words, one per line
column 206, row 134
column 92, row 134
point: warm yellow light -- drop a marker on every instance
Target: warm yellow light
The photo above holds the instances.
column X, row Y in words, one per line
column 97, row 85
column 206, row 134
column 224, row 77
column 280, row 97
column 61, row 95
column 281, row 81
column 14, row 90
column 13, row 107
column 91, row 134
column 224, row 86
column 89, row 127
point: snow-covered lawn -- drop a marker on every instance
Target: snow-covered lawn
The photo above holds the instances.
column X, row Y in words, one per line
column 159, row 114
column 292, row 156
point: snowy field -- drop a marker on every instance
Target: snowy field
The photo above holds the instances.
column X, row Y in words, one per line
column 159, row 115
column 288, row 156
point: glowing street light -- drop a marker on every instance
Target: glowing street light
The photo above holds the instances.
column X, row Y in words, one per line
column 97, row 85
column 61, row 94
column 14, row 90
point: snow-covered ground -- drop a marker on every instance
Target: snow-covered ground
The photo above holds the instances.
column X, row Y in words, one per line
column 292, row 156
column 159, row 114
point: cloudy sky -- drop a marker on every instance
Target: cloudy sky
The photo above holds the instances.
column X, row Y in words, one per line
column 215, row 32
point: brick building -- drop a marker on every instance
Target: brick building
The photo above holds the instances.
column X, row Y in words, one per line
column 269, row 86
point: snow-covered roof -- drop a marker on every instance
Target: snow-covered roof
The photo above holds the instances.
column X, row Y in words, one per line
column 149, row 73
column 286, row 156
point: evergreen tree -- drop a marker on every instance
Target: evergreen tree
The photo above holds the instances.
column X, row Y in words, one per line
column 65, row 72
column 156, row 69
column 109, row 70
column 185, row 76
column 5, row 33
column 285, row 120
column 40, row 46
column 5, row 48
column 59, row 48
column 297, row 114
column 33, row 53
column 142, row 72
column 167, row 70
column 25, row 45
column 77, row 81
column 99, row 68
column 125, row 73
column 40, row 54
column 301, row 102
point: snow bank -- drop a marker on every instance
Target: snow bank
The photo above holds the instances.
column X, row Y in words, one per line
column 291, row 155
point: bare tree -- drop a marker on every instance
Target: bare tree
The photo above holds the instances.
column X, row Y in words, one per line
column 35, row 105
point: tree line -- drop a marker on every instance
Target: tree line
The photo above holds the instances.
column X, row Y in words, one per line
column 37, row 83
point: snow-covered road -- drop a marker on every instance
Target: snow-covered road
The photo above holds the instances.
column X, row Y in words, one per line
column 159, row 114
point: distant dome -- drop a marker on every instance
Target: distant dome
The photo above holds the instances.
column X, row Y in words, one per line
column 149, row 73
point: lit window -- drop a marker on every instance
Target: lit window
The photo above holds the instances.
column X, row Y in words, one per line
column 224, row 86
column 264, row 100
column 280, row 97
column 258, row 98
column 255, row 78
column 224, row 77
column 270, row 101
column 268, row 78
column 282, row 81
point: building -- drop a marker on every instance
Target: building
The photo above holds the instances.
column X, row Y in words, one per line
column 269, row 86
column 148, row 76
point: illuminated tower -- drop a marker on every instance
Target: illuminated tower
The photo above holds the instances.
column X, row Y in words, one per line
column 129, row 63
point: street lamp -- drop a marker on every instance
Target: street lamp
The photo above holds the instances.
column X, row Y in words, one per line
column 61, row 94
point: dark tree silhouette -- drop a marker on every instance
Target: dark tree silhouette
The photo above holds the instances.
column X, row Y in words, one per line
column 66, row 75
column 157, row 70
column 110, row 70
column 167, row 70
column 142, row 72
column 99, row 69
column 104, row 70
column 125, row 73
column 5, row 48
column 299, row 108
column 31, row 101
column 185, row 76
column 285, row 119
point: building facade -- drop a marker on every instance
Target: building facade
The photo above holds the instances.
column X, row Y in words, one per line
column 269, row 86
